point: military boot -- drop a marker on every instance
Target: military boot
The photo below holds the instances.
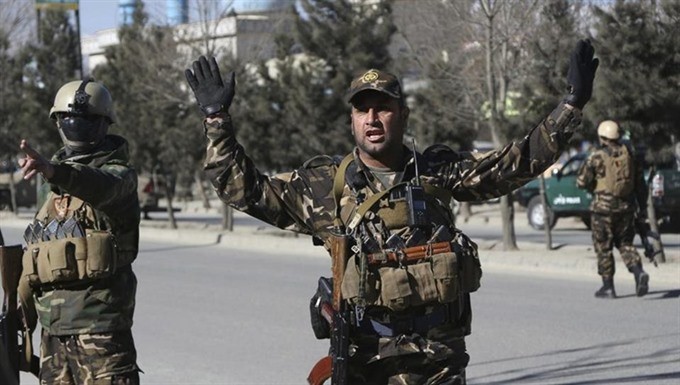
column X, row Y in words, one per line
column 641, row 280
column 607, row 289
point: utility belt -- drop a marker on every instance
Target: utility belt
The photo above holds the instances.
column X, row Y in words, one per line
column 390, row 324
column 56, row 262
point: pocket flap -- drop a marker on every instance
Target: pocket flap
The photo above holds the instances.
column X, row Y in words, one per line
column 444, row 265
column 395, row 283
column 425, row 289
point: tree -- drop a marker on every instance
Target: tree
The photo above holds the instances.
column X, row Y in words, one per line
column 32, row 74
column 637, row 83
column 13, row 30
column 502, row 28
column 52, row 62
column 430, row 46
column 544, row 80
column 143, row 74
column 294, row 104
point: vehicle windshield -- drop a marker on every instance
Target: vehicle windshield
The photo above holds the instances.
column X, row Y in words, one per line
column 571, row 167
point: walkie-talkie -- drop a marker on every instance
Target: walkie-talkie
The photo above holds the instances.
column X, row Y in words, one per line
column 415, row 197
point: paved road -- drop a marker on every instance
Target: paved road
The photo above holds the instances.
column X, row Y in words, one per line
column 215, row 314
column 236, row 312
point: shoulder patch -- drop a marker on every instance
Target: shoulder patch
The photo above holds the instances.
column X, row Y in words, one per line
column 320, row 161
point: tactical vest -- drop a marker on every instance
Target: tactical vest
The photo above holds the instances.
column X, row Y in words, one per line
column 435, row 270
column 618, row 179
column 70, row 243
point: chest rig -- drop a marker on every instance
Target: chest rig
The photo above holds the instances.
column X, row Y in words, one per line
column 68, row 243
column 405, row 251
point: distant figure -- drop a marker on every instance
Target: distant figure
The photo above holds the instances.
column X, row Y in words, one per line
column 83, row 241
column 619, row 190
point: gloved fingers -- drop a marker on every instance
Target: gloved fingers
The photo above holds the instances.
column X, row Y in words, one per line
column 232, row 82
column 215, row 71
column 200, row 69
column 596, row 63
column 191, row 79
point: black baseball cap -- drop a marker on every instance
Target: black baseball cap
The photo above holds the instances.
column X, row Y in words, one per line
column 376, row 80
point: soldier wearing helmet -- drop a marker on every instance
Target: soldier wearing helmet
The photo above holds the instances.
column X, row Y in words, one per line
column 81, row 244
column 616, row 181
column 83, row 111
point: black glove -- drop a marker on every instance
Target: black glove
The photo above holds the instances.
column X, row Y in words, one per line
column 211, row 93
column 581, row 73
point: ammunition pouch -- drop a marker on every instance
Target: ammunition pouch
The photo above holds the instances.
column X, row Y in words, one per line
column 320, row 326
column 71, row 259
column 437, row 278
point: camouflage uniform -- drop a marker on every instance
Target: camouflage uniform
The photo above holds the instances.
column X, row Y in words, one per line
column 86, row 326
column 303, row 201
column 611, row 216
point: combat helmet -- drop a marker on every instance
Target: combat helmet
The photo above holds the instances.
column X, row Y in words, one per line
column 608, row 129
column 83, row 97
column 83, row 111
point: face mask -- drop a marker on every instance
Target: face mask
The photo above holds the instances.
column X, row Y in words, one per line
column 82, row 133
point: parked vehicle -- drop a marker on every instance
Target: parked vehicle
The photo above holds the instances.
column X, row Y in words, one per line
column 565, row 199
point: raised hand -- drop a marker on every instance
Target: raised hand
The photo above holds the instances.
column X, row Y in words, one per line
column 34, row 163
column 581, row 74
column 211, row 93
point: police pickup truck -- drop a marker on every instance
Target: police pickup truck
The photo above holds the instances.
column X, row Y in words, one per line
column 565, row 199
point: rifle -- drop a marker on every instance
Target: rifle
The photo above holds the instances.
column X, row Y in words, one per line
column 643, row 229
column 10, row 273
column 644, row 232
column 336, row 313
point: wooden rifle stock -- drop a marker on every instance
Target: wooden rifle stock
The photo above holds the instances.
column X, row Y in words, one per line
column 340, row 254
column 321, row 372
column 334, row 366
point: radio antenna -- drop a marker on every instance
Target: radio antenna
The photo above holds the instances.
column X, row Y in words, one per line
column 415, row 160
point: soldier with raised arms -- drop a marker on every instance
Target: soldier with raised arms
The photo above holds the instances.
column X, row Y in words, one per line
column 410, row 270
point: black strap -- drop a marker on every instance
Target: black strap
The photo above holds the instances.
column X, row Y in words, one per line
column 406, row 324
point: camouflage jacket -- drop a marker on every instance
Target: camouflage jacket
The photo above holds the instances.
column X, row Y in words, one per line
column 302, row 200
column 594, row 169
column 105, row 180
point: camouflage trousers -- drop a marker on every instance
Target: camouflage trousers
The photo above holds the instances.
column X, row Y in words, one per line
column 609, row 231
column 88, row 359
column 409, row 360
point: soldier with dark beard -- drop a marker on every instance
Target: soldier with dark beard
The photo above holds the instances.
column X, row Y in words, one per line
column 617, row 183
column 408, row 280
column 81, row 244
